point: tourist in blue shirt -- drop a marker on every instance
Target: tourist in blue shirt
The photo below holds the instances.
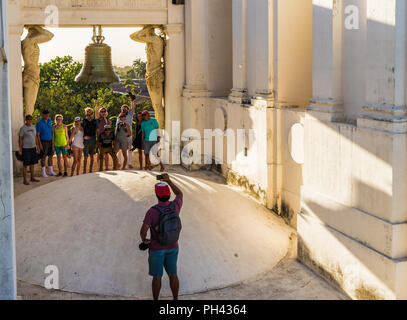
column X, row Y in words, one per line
column 44, row 134
column 149, row 137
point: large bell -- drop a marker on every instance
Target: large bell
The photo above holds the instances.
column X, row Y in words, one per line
column 98, row 61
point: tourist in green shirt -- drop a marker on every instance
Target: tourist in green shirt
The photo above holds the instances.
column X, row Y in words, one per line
column 60, row 139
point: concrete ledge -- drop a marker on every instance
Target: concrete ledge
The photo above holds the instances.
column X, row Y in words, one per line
column 388, row 238
column 361, row 272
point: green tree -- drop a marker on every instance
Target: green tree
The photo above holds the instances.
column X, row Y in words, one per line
column 139, row 67
column 123, row 72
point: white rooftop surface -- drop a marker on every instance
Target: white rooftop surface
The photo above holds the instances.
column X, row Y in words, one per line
column 88, row 226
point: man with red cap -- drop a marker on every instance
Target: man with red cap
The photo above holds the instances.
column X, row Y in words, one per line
column 162, row 256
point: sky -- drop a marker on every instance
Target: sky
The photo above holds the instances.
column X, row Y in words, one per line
column 72, row 41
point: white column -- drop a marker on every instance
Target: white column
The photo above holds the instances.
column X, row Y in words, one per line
column 16, row 78
column 239, row 91
column 174, row 83
column 196, row 45
column 196, row 95
column 266, row 21
column 8, row 288
column 265, row 46
column 15, row 29
column 327, row 101
column 386, row 67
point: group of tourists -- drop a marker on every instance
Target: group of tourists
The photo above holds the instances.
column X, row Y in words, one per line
column 89, row 137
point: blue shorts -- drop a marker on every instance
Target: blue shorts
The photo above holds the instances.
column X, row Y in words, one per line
column 157, row 260
column 61, row 151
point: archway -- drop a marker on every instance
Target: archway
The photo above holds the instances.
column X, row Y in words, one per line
column 119, row 14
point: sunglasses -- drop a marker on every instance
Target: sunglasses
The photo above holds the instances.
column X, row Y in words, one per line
column 103, row 111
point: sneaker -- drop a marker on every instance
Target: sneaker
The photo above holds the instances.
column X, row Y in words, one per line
column 44, row 174
column 59, row 175
column 65, row 174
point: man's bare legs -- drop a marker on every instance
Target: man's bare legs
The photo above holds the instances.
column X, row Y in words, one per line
column 92, row 160
column 140, row 158
column 77, row 162
column 107, row 161
column 102, row 158
column 156, row 287
column 65, row 164
column 130, row 158
column 85, row 164
column 32, row 174
column 148, row 163
column 25, row 169
column 174, row 284
column 25, row 175
column 61, row 157
column 50, row 161
column 59, row 161
column 125, row 160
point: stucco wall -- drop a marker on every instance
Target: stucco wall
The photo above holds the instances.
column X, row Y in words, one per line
column 248, row 168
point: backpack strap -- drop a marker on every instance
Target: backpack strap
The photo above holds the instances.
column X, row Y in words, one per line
column 162, row 209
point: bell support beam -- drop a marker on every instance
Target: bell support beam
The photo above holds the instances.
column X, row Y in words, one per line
column 87, row 17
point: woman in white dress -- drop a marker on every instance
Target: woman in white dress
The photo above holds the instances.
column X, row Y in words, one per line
column 77, row 145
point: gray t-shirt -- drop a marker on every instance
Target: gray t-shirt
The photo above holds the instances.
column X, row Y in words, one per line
column 28, row 134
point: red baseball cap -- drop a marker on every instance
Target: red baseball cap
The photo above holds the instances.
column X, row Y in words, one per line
column 162, row 190
column 145, row 112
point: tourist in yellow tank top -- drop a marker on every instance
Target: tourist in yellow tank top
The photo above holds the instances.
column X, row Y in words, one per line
column 60, row 139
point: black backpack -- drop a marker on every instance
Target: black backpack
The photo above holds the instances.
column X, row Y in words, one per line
column 169, row 227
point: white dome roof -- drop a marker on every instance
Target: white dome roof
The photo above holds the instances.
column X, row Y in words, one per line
column 88, row 226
